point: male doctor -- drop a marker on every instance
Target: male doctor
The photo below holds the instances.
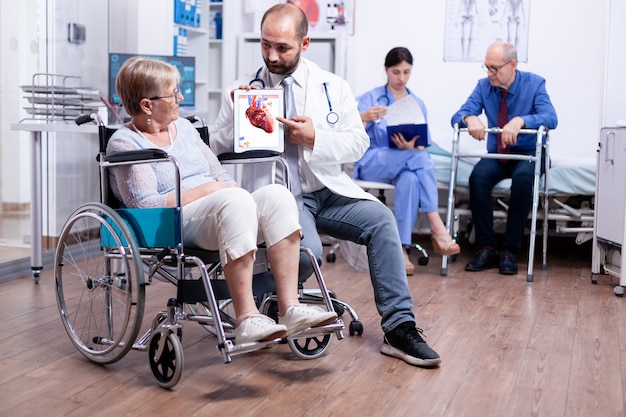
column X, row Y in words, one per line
column 328, row 132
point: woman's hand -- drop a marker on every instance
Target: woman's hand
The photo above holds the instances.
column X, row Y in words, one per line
column 196, row 193
column 401, row 143
column 373, row 114
column 211, row 187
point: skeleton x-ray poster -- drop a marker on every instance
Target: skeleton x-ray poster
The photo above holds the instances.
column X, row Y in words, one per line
column 473, row 25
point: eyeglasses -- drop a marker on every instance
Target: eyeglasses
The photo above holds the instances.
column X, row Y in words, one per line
column 176, row 95
column 493, row 68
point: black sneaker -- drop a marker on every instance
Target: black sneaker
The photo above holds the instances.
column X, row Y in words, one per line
column 405, row 342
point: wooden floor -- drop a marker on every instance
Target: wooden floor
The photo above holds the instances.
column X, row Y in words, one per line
column 554, row 347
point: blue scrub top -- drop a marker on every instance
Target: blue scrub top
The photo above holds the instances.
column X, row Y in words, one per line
column 377, row 131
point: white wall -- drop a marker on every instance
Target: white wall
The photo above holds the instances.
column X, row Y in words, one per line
column 69, row 166
column 577, row 45
column 615, row 64
column 142, row 26
column 567, row 46
column 20, row 49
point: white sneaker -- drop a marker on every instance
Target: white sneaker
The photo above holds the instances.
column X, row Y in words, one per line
column 301, row 316
column 258, row 328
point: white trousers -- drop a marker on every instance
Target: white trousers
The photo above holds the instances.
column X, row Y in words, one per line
column 235, row 221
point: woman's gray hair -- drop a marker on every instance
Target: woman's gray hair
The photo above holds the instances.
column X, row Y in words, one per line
column 142, row 77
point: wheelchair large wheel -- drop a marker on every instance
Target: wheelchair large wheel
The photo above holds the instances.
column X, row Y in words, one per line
column 167, row 368
column 99, row 283
column 310, row 347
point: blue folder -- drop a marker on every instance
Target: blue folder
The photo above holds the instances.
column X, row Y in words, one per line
column 409, row 131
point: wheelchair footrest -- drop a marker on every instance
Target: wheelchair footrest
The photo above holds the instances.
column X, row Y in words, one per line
column 335, row 326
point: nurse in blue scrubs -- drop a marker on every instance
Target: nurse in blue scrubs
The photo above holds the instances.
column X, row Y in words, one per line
column 409, row 168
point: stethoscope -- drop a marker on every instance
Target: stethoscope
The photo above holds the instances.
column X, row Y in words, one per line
column 257, row 79
column 384, row 99
column 332, row 117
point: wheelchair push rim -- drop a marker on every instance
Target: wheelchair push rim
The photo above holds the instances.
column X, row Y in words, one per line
column 99, row 283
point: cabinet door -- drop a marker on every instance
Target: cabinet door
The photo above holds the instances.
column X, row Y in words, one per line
column 611, row 188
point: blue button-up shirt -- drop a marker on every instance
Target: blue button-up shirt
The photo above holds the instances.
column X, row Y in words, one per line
column 527, row 99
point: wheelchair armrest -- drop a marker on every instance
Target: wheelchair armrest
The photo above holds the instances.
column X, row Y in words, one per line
column 257, row 153
column 135, row 155
column 256, row 156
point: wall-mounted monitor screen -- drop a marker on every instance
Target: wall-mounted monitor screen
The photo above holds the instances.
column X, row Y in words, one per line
column 186, row 66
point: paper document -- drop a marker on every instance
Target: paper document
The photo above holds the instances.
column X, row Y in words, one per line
column 406, row 116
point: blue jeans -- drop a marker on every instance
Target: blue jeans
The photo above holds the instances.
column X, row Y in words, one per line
column 368, row 223
column 485, row 175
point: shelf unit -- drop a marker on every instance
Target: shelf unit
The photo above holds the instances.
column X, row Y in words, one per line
column 196, row 46
column 215, row 70
column 216, row 60
column 148, row 27
column 328, row 50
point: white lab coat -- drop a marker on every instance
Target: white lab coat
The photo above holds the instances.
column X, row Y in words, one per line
column 335, row 144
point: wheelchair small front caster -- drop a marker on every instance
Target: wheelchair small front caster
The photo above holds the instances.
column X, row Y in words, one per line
column 355, row 327
column 166, row 357
column 423, row 259
column 310, row 347
column 331, row 258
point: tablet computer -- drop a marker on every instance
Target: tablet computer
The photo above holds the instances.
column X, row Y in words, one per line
column 255, row 123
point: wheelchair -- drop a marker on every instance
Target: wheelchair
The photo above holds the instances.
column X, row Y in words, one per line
column 107, row 255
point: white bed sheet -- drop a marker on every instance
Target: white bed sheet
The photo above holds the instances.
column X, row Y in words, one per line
column 567, row 175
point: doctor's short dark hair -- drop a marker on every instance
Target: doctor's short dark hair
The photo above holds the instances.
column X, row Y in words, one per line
column 397, row 55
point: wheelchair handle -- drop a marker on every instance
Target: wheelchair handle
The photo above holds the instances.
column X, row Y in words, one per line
column 86, row 118
column 195, row 118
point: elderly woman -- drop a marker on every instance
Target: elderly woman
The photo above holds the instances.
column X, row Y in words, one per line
column 217, row 213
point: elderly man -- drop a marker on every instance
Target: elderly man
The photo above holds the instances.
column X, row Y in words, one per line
column 511, row 99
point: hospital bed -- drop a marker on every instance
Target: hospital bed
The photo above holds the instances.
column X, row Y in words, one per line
column 566, row 197
column 567, row 201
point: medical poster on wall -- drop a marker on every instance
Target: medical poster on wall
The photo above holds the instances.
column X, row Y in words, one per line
column 473, row 25
column 324, row 16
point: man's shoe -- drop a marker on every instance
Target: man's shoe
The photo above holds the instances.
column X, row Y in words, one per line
column 486, row 258
column 405, row 342
column 507, row 263
column 301, row 316
column 258, row 328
